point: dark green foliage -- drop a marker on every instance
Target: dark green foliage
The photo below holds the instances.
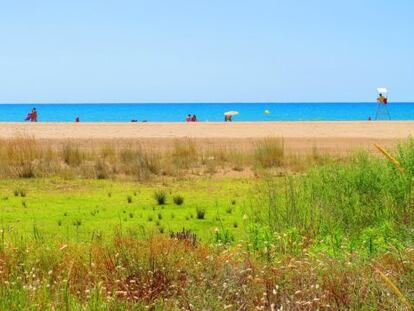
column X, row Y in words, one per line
column 178, row 200
column 200, row 213
column 160, row 197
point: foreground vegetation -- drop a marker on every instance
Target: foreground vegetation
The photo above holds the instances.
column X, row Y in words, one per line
column 336, row 236
column 165, row 274
column 28, row 158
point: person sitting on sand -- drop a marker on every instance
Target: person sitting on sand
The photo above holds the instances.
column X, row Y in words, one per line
column 188, row 118
column 227, row 118
column 194, row 118
column 77, row 120
column 33, row 117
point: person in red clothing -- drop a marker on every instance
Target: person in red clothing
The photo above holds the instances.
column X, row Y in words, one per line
column 188, row 118
column 194, row 118
column 33, row 116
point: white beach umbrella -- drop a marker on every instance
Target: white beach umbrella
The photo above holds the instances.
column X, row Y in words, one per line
column 231, row 113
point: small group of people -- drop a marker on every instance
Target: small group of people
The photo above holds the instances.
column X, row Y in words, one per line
column 191, row 118
column 227, row 118
column 32, row 116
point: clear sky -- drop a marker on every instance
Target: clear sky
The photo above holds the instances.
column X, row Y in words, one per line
column 205, row 50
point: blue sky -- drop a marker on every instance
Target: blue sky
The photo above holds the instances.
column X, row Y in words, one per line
column 205, row 51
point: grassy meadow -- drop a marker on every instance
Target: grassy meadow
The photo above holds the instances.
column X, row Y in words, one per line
column 75, row 210
column 126, row 228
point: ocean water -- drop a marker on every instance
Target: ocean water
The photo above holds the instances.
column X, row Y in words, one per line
column 204, row 112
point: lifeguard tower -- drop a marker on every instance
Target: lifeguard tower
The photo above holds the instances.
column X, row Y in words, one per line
column 382, row 102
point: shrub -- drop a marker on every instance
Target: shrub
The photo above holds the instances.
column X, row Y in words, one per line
column 19, row 192
column 72, row 155
column 129, row 199
column 185, row 235
column 178, row 200
column 26, row 170
column 184, row 154
column 101, row 169
column 223, row 236
column 140, row 163
column 269, row 152
column 159, row 216
column 160, row 197
column 201, row 213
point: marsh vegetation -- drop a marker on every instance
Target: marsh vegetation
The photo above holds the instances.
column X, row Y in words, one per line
column 159, row 231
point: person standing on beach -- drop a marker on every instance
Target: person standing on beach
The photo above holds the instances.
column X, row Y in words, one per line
column 33, row 116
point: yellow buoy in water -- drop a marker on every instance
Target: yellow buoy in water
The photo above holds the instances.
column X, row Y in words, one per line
column 267, row 112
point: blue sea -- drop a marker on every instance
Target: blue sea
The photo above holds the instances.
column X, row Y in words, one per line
column 204, row 112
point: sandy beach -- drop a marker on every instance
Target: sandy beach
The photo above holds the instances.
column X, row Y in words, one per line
column 336, row 137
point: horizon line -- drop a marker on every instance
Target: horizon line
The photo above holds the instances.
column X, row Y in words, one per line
column 198, row 103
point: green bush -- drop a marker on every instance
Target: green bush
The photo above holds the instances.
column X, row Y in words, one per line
column 200, row 213
column 178, row 200
column 160, row 197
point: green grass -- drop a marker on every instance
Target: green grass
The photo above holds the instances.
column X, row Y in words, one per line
column 54, row 205
column 363, row 204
